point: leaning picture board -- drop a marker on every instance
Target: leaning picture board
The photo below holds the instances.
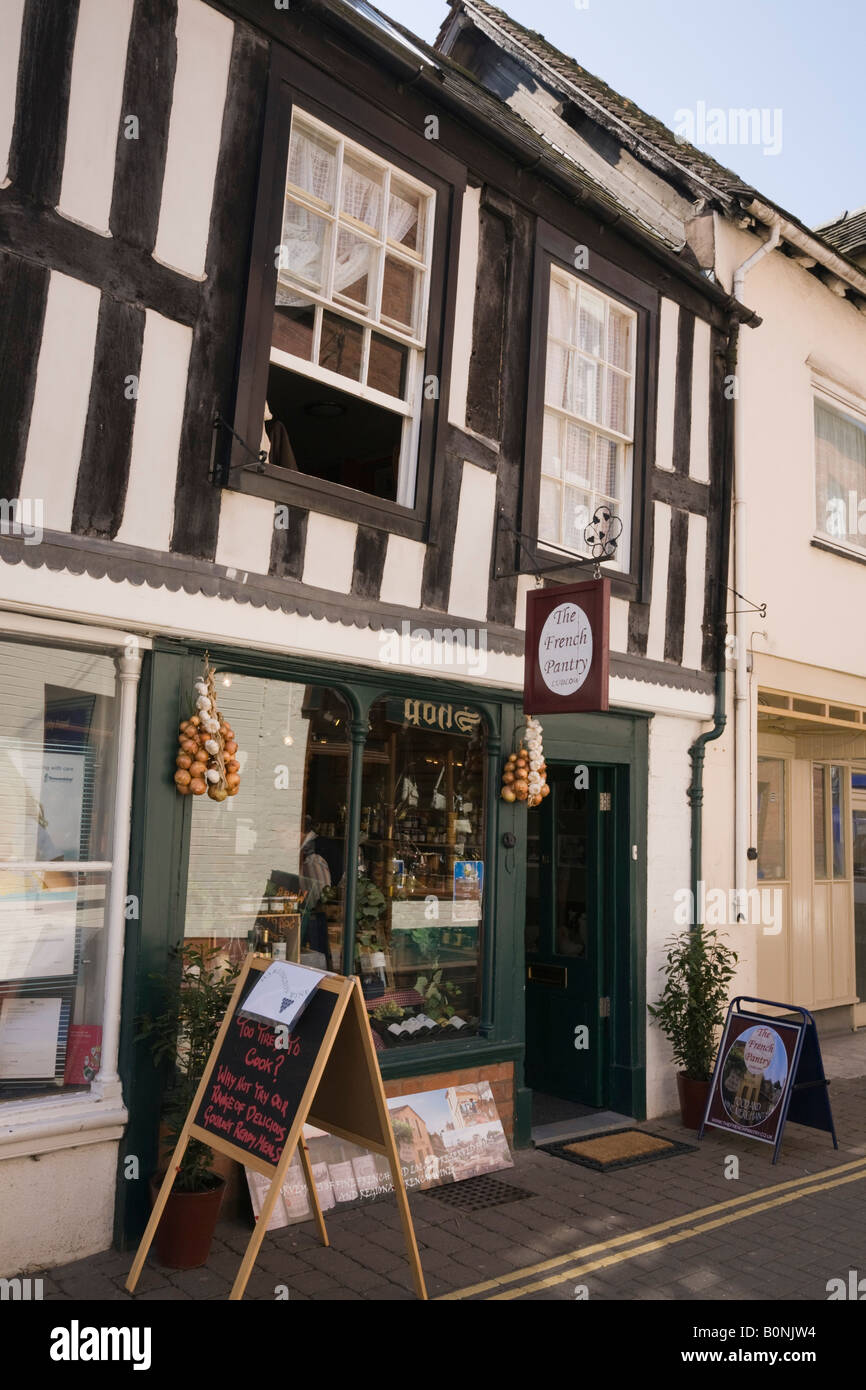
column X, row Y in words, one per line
column 262, row 1084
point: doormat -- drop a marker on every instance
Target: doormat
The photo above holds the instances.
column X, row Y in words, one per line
column 618, row 1148
column 476, row 1194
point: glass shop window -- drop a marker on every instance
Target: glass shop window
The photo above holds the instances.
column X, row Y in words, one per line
column 267, row 867
column 819, row 819
column 421, row 871
column 771, row 818
column 57, row 750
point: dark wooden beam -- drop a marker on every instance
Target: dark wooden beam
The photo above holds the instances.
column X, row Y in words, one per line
column 23, row 294
column 148, row 89
column 42, row 99
column 103, row 473
column 41, row 236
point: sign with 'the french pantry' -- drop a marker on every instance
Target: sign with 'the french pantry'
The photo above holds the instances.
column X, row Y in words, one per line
column 567, row 648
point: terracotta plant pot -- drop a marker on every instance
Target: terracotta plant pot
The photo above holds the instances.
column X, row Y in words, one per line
column 185, row 1231
column 693, row 1100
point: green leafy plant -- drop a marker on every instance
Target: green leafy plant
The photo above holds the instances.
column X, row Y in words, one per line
column 698, row 970
column 402, row 1131
column 438, row 995
column 196, row 994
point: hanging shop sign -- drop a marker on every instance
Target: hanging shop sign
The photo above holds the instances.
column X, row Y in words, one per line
column 768, row 1070
column 567, row 648
column 263, row 1083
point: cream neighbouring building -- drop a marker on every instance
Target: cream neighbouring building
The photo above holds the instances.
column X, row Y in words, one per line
column 798, row 709
column 786, row 776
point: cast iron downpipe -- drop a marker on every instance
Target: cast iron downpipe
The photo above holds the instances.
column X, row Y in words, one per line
column 720, row 719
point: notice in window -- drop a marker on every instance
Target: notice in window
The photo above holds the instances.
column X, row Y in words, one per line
column 37, row 936
column 29, row 1030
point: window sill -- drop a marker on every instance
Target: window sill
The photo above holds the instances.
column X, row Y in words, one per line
column 302, row 490
column 836, row 548
column 44, row 1124
column 420, row 1060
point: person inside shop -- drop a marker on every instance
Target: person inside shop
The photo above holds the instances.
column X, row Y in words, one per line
column 314, row 877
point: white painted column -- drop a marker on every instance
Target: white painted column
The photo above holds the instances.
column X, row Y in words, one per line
column 107, row 1082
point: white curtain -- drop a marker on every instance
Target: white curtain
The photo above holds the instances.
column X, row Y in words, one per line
column 311, row 167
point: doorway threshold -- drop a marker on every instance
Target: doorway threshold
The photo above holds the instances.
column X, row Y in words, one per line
column 587, row 1123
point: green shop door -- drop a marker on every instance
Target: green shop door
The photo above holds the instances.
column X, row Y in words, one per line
column 569, row 903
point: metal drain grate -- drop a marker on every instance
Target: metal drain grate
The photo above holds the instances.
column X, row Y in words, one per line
column 475, row 1194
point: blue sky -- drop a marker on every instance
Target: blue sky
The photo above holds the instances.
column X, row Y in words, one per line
column 801, row 59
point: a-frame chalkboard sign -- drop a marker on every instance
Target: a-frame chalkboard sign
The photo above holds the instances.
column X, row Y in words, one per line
column 255, row 1098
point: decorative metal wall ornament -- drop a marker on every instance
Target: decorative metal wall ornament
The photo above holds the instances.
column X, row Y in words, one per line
column 603, row 533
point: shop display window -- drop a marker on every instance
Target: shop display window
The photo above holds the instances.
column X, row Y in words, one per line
column 422, row 875
column 57, row 754
column 267, row 868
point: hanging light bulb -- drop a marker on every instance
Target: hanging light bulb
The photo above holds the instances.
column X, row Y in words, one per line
column 227, row 680
column 288, row 740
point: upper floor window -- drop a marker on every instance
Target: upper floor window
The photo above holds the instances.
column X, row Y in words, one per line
column 346, row 375
column 840, row 476
column 588, row 433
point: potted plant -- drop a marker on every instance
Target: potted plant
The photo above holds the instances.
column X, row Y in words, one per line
column 196, row 995
column 698, row 970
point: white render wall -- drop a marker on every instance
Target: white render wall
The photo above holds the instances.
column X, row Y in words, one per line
column 669, row 869
column 63, row 1203
column 813, row 598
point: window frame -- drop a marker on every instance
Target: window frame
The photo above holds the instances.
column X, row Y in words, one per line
column 630, row 580
column 852, row 408
column 293, row 82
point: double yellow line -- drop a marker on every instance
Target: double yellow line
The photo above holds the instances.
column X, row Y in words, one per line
column 576, row 1264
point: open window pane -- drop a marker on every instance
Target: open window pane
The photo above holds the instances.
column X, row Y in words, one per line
column 342, row 346
column 335, row 436
column 294, row 326
column 399, row 292
column 388, row 366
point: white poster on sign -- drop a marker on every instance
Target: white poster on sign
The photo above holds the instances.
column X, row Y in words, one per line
column 37, row 936
column 282, row 993
column 28, row 1039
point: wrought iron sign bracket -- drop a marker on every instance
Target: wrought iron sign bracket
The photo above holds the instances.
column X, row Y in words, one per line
column 533, row 566
column 759, row 608
column 220, row 476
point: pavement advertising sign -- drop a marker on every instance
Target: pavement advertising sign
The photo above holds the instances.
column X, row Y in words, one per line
column 567, row 648
column 265, row 1080
column 768, row 1070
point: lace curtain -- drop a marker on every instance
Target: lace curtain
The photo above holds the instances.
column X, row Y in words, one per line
column 312, row 166
column 841, row 470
